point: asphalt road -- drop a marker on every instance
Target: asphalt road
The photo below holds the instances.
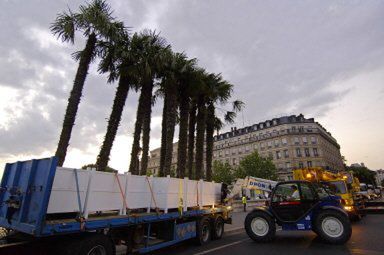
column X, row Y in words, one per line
column 367, row 238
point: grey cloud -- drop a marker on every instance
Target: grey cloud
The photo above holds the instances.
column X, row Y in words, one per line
column 279, row 55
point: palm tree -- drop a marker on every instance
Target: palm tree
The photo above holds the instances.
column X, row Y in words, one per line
column 191, row 137
column 175, row 83
column 188, row 82
column 149, row 64
column 200, row 135
column 120, row 60
column 96, row 22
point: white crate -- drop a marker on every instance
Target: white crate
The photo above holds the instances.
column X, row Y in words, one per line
column 102, row 191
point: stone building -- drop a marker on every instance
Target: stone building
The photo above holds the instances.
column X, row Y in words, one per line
column 291, row 142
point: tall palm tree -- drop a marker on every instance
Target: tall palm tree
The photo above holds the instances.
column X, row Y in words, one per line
column 175, row 80
column 120, row 60
column 200, row 135
column 188, row 83
column 191, row 137
column 219, row 93
column 150, row 62
column 96, row 23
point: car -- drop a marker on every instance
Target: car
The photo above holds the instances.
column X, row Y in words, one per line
column 297, row 206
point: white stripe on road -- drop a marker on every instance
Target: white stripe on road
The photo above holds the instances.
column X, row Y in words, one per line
column 221, row 247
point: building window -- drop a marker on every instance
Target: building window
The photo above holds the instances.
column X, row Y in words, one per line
column 315, row 152
column 234, row 161
column 214, row 155
column 278, row 155
column 247, row 148
column 301, row 165
column 269, row 144
column 296, row 140
column 277, row 143
column 298, row 152
column 306, row 151
column 255, row 146
column 309, row 163
column 288, row 165
column 233, row 151
column 305, row 140
column 270, row 155
column 240, row 150
column 226, row 152
column 220, row 153
column 262, row 146
column 313, row 140
column 284, row 141
column 286, row 153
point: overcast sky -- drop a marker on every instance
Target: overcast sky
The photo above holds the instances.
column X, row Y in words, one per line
column 324, row 59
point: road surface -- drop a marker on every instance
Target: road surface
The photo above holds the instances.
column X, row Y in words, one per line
column 367, row 239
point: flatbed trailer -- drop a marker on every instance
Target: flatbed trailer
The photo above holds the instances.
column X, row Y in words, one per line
column 24, row 196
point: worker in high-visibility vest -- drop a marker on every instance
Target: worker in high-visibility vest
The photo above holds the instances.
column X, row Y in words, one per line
column 244, row 200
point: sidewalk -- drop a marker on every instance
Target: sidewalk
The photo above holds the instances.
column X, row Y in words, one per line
column 237, row 221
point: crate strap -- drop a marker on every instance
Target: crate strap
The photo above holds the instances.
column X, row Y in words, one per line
column 121, row 192
column 181, row 197
column 152, row 195
column 80, row 217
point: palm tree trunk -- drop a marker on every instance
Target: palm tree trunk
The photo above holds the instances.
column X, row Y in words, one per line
column 163, row 136
column 183, row 134
column 134, row 166
column 209, row 140
column 74, row 98
column 146, row 126
column 200, row 132
column 170, row 123
column 191, row 139
column 113, row 123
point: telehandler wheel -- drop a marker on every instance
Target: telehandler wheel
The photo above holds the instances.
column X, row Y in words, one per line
column 260, row 226
column 333, row 227
column 203, row 231
column 217, row 228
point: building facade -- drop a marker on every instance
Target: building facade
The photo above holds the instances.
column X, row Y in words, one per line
column 379, row 176
column 291, row 142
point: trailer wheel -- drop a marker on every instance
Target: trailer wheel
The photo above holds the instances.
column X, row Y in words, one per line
column 260, row 226
column 94, row 244
column 218, row 228
column 203, row 231
column 333, row 227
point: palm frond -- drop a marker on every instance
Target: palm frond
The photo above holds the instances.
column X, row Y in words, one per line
column 64, row 26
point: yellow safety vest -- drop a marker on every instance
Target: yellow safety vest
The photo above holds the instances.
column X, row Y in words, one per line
column 244, row 199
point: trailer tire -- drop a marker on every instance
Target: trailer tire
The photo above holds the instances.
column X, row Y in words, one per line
column 90, row 245
column 333, row 227
column 203, row 231
column 260, row 226
column 218, row 228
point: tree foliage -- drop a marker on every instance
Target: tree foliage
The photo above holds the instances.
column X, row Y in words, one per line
column 256, row 166
column 363, row 174
column 107, row 169
column 222, row 172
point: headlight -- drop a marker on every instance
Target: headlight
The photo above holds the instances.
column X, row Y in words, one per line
column 348, row 208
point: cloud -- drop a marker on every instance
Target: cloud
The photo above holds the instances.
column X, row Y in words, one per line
column 282, row 56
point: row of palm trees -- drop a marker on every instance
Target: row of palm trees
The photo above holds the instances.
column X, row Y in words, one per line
column 144, row 62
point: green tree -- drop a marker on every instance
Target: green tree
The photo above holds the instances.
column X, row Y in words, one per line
column 222, row 172
column 256, row 166
column 107, row 168
column 96, row 23
column 363, row 174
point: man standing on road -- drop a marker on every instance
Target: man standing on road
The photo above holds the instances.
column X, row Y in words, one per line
column 244, row 200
